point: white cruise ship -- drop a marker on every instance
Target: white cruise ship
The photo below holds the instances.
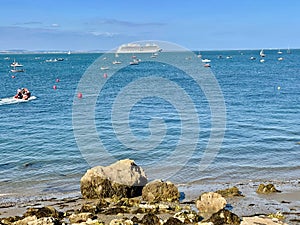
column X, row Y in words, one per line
column 137, row 48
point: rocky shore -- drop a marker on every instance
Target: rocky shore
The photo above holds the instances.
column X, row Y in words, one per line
column 121, row 194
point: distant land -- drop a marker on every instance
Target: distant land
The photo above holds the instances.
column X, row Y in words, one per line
column 24, row 51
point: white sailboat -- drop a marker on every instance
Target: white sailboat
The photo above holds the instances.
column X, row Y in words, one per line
column 262, row 54
column 15, row 66
column 279, row 52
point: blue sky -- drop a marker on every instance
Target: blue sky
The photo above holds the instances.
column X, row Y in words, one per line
column 103, row 25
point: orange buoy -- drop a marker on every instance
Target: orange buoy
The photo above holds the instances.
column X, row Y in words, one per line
column 105, row 75
column 79, row 95
column 57, row 80
column 54, row 87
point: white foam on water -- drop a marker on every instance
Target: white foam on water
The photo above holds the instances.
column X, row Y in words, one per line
column 12, row 100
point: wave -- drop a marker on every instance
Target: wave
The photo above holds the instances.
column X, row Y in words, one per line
column 12, row 100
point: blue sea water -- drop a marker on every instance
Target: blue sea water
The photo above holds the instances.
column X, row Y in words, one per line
column 42, row 155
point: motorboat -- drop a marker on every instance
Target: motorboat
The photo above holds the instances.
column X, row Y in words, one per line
column 134, row 62
column 116, row 62
column 206, row 60
column 15, row 64
column 104, row 68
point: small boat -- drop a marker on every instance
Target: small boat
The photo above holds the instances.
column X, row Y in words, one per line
column 279, row 52
column 206, row 60
column 288, row 51
column 116, row 62
column 252, row 58
column 51, row 60
column 199, row 55
column 60, row 59
column 153, row 55
column 134, row 62
column 6, row 58
column 69, row 53
column 15, row 64
column 280, row 58
column 14, row 70
column 262, row 60
column 206, row 65
column 229, row 57
column 262, row 54
column 104, row 68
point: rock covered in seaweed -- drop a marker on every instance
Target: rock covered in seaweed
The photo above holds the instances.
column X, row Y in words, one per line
column 266, row 189
column 47, row 211
column 230, row 192
column 158, row 190
column 224, row 217
column 123, row 179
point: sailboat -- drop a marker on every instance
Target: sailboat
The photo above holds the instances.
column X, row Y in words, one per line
column 262, row 54
column 15, row 64
column 288, row 51
column 279, row 52
column 69, row 53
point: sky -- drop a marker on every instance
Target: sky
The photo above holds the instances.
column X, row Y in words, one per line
column 86, row 25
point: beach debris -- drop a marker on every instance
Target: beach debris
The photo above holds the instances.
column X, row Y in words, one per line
column 224, row 216
column 277, row 215
column 230, row 192
column 266, row 189
column 159, row 190
column 210, row 202
column 122, row 179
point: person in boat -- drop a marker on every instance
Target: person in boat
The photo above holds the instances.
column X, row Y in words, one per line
column 26, row 93
column 19, row 94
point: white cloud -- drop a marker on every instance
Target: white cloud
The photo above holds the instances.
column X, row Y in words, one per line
column 104, row 34
column 55, row 25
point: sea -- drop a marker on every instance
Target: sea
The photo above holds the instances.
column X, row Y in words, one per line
column 235, row 121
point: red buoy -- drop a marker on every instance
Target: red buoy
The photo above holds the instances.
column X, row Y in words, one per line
column 105, row 75
column 54, row 87
column 79, row 95
column 57, row 80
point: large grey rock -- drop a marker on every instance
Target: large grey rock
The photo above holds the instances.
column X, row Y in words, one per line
column 122, row 179
column 158, row 190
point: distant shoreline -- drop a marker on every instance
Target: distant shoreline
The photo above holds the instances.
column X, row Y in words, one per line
column 4, row 52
